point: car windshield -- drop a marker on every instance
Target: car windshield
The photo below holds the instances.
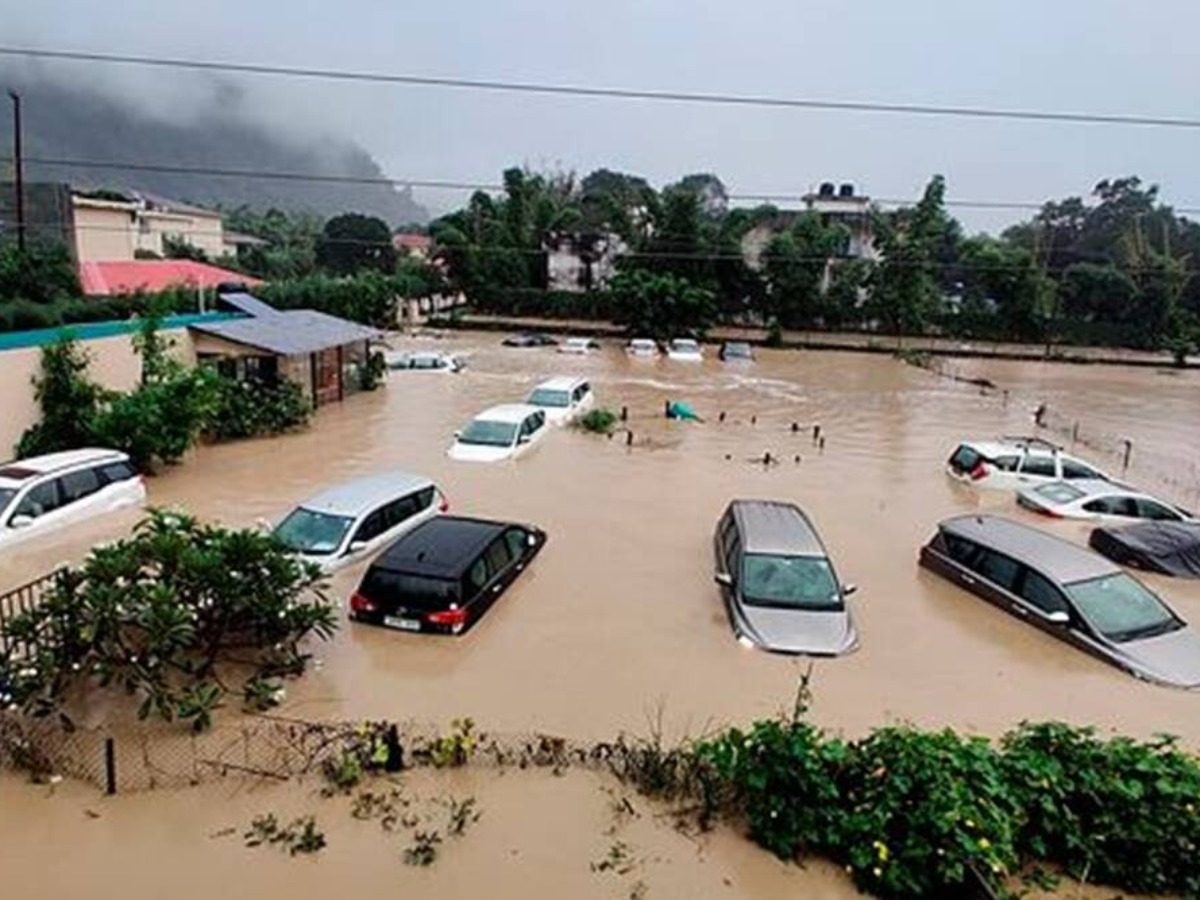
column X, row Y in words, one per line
column 737, row 349
column 546, row 397
column 316, row 533
column 1121, row 609
column 685, row 345
column 6, row 495
column 802, row 582
column 489, row 434
column 1058, row 492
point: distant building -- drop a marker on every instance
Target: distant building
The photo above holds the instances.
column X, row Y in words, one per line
column 578, row 262
column 111, row 227
column 414, row 246
column 841, row 206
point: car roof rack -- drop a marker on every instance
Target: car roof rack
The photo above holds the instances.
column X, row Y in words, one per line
column 1031, row 441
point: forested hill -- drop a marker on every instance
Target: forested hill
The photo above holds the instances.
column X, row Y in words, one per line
column 68, row 124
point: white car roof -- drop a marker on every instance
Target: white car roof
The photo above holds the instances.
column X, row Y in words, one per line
column 16, row 472
column 1001, row 448
column 513, row 413
column 1096, row 487
column 560, row 383
column 353, row 498
column 579, row 340
column 685, row 342
column 642, row 342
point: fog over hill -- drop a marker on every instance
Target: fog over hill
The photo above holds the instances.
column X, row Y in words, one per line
column 210, row 126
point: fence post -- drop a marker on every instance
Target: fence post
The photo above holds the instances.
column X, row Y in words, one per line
column 110, row 766
column 1128, row 452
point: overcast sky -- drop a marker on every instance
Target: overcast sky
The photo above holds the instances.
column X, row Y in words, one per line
column 1113, row 56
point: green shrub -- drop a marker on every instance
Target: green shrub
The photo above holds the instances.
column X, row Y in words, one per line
column 371, row 372
column 68, row 399
column 600, row 421
column 1117, row 812
column 247, row 409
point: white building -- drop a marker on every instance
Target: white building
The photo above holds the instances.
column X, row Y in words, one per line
column 579, row 262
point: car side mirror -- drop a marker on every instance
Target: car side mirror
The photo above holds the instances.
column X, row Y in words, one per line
column 20, row 521
column 849, row 589
column 724, row 579
column 1058, row 617
column 457, row 435
column 523, row 439
column 356, row 546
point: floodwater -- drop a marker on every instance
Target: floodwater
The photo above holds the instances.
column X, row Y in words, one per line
column 618, row 622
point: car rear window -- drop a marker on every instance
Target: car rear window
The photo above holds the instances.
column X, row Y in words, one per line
column 1058, row 492
column 965, row 459
column 417, row 592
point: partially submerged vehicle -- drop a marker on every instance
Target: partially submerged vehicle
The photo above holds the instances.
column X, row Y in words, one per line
column 528, row 339
column 642, row 347
column 563, row 399
column 443, row 576
column 685, row 350
column 501, row 432
column 1168, row 548
column 1069, row 592
column 1010, row 463
column 424, row 361
column 348, row 522
column 736, row 351
column 1090, row 499
column 579, row 346
column 779, row 586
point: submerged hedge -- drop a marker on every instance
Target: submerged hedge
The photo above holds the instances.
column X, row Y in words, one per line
column 915, row 814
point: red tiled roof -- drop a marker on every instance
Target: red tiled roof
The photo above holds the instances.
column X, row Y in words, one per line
column 412, row 241
column 153, row 275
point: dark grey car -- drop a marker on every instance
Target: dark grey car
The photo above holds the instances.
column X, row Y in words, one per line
column 1069, row 592
column 779, row 586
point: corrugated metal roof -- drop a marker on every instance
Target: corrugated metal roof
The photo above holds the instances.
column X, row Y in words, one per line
column 154, row 276
column 290, row 333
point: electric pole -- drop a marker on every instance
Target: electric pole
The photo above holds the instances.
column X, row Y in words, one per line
column 18, row 174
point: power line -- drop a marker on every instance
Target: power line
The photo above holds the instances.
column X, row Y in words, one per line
column 524, row 87
column 451, row 184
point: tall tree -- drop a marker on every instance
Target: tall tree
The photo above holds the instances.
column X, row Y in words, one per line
column 353, row 242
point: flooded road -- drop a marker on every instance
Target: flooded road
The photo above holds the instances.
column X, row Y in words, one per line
column 618, row 620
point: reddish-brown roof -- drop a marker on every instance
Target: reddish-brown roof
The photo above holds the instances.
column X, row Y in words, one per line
column 412, row 241
column 153, row 275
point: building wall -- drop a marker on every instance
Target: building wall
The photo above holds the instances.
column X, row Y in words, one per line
column 112, row 364
column 103, row 234
column 201, row 231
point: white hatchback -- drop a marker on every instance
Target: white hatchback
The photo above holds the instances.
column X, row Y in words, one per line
column 349, row 522
column 1085, row 499
column 563, row 399
column 643, row 347
column 1013, row 463
column 45, row 493
column 502, row 432
column 579, row 346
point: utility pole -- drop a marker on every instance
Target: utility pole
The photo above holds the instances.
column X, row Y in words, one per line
column 18, row 174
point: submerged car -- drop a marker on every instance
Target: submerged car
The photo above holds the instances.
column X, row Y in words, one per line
column 643, row 347
column 443, row 576
column 579, row 346
column 1168, row 548
column 563, row 399
column 424, row 362
column 685, row 350
column 1069, row 592
column 1012, row 463
column 502, row 432
column 351, row 521
column 42, row 494
column 736, row 351
column 529, row 339
column 1088, row 499
column 780, row 588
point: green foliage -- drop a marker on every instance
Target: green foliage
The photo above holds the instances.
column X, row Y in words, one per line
column 661, row 305
column 915, row 814
column 161, row 613
column 424, row 849
column 599, row 421
column 455, row 748
column 254, row 408
column 369, row 298
column 68, row 399
column 26, row 315
column 371, row 372
column 182, row 248
column 353, row 243
column 300, row 836
column 44, row 273
column 291, row 242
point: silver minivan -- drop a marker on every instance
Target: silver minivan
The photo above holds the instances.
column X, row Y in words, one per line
column 780, row 588
column 351, row 521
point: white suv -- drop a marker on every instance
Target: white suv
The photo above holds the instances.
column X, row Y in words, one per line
column 44, row 493
column 1012, row 463
column 563, row 399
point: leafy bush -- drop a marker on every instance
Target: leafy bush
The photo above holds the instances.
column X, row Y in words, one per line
column 369, row 297
column 371, row 372
column 161, row 613
column 253, row 408
column 600, row 421
column 68, row 399
column 1116, row 812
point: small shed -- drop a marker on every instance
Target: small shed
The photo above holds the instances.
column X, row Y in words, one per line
column 321, row 353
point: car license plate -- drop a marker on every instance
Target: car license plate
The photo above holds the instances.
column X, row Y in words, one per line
column 402, row 624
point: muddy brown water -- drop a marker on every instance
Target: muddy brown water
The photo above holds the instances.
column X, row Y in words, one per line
column 618, row 622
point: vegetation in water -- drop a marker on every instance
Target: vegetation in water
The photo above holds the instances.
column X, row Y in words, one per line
column 599, row 421
column 168, row 615
column 300, row 836
column 254, row 408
